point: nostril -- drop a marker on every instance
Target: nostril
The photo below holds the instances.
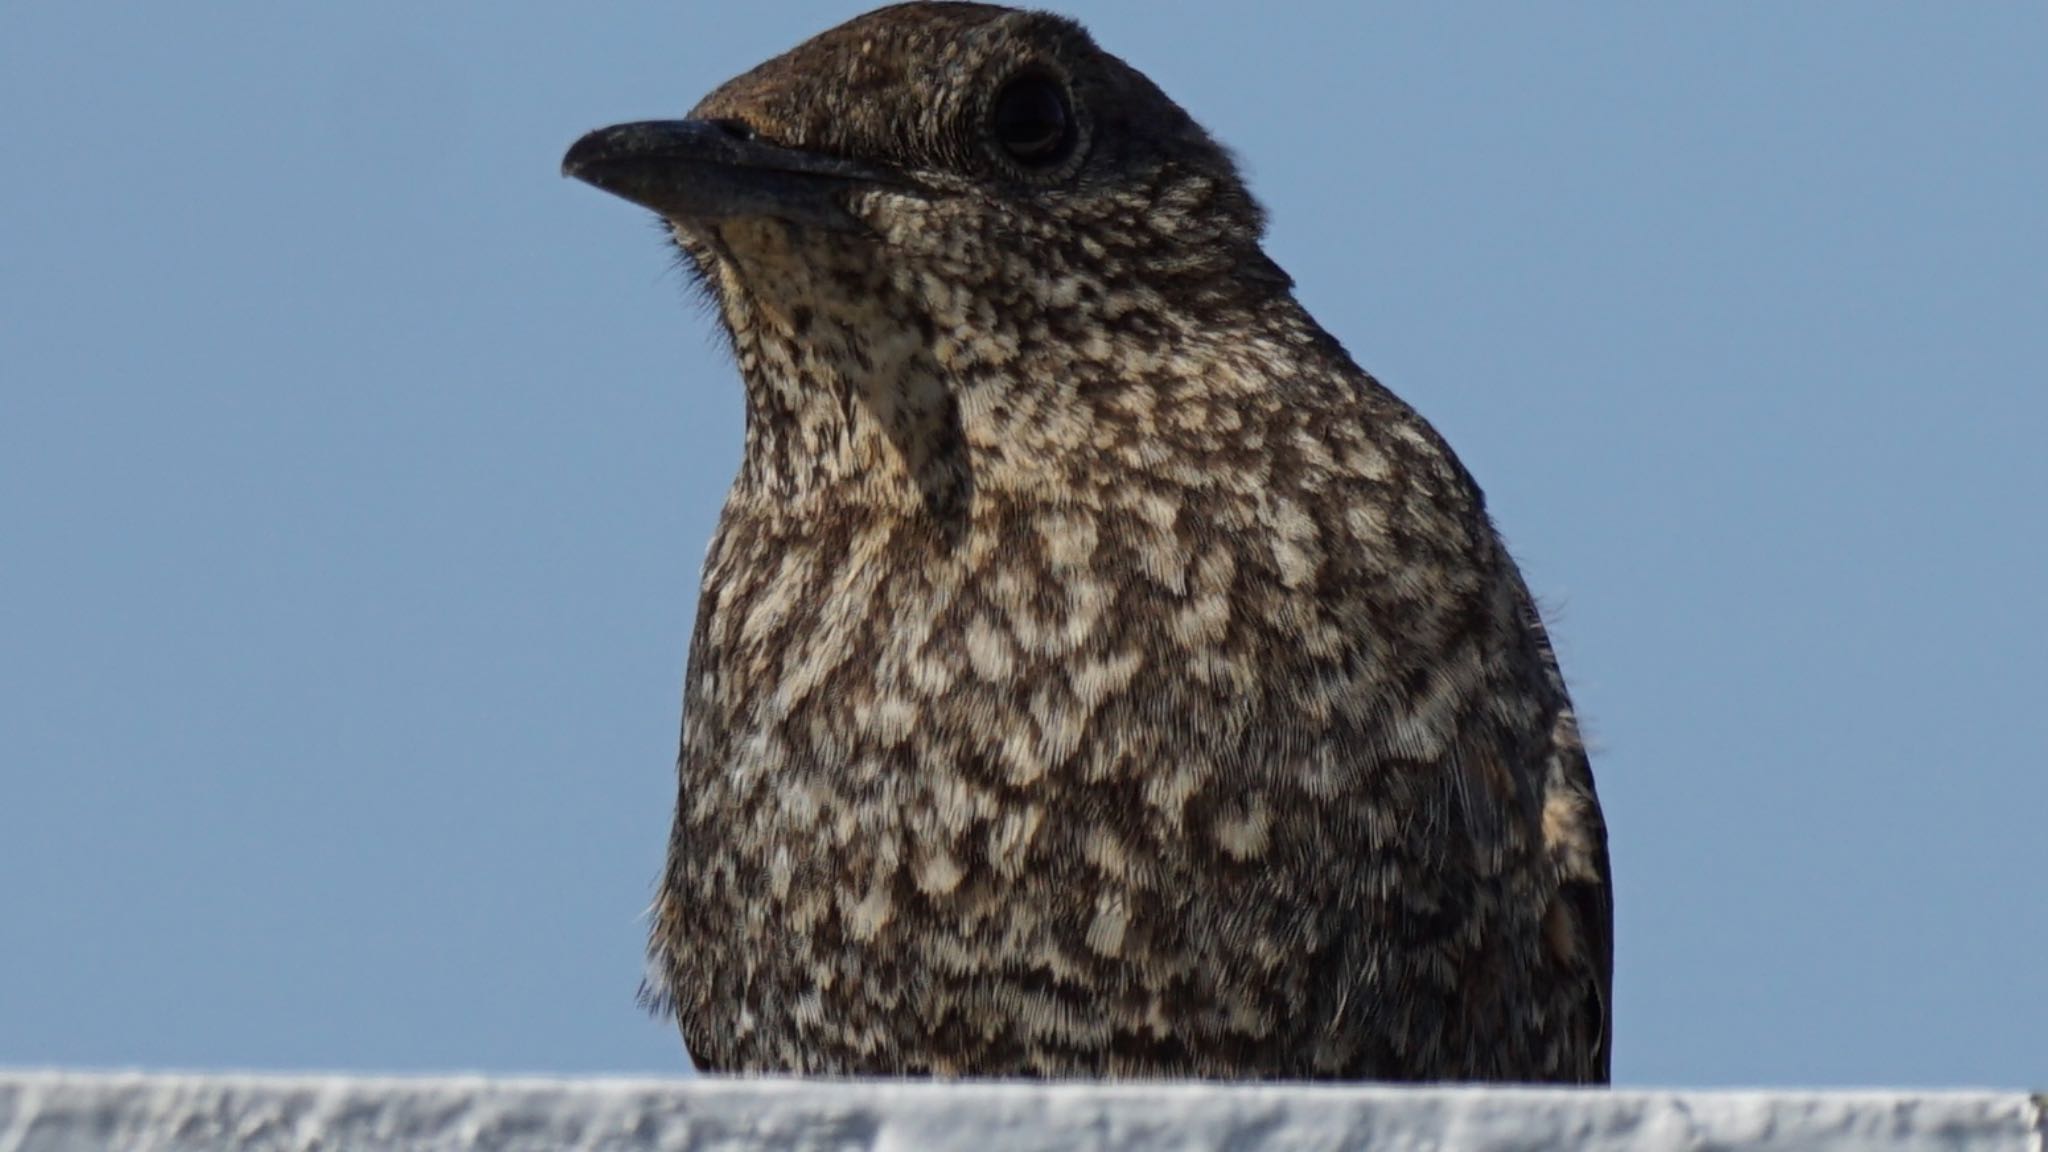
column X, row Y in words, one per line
column 737, row 129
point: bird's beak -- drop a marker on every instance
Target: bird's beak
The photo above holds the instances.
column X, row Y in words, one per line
column 702, row 170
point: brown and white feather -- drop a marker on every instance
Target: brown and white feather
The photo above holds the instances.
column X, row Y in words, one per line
column 1096, row 672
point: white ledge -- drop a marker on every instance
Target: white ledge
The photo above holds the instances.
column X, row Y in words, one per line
column 73, row 1111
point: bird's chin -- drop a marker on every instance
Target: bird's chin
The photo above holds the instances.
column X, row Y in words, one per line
column 698, row 239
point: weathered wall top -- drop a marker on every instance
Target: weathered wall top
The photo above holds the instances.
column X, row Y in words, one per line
column 136, row 1112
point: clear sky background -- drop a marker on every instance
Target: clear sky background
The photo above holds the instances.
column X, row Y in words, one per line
column 355, row 470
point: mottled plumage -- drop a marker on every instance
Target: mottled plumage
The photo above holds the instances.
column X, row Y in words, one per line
column 1096, row 672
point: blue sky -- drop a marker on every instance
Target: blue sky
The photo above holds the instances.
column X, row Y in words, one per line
column 355, row 470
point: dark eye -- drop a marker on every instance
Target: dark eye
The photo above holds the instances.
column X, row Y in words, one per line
column 1032, row 122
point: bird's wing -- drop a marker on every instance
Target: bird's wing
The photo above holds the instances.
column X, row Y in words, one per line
column 1575, row 834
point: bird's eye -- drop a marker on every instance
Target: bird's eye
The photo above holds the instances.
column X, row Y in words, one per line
column 1032, row 122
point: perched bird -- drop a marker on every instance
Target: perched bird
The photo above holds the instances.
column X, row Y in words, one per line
column 1096, row 673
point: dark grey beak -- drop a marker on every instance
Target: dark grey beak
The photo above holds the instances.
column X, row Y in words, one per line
column 693, row 170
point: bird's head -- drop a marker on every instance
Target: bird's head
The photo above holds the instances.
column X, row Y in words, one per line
column 941, row 235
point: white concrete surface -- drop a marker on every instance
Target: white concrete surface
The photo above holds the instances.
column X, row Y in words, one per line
column 142, row 1112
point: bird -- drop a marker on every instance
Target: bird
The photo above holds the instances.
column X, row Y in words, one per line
column 1096, row 673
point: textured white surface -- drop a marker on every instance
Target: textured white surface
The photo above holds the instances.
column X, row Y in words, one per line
column 69, row 1112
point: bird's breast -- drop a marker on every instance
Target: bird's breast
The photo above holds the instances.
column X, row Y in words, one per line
column 1049, row 688
column 1098, row 762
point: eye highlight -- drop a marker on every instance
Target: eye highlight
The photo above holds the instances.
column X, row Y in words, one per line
column 1032, row 121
